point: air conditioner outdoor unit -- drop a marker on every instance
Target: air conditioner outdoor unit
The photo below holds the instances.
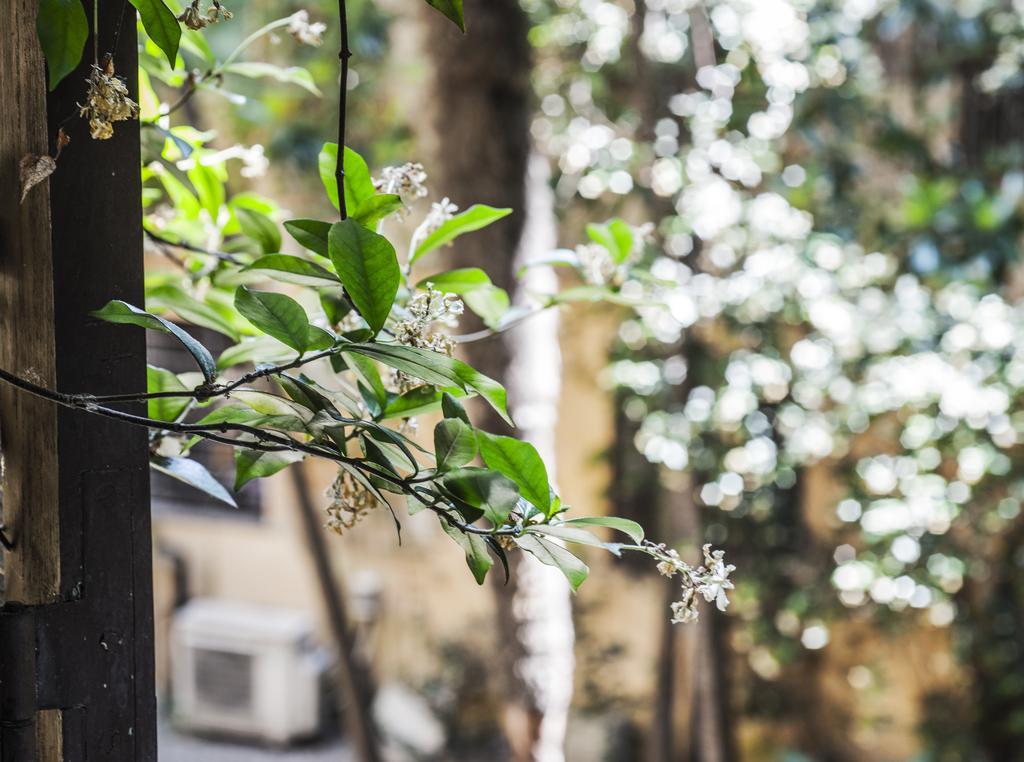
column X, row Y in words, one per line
column 246, row 670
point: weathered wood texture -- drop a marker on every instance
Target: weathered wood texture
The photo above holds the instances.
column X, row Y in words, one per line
column 78, row 485
column 27, row 340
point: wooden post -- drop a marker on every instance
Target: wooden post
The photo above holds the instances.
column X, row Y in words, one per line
column 76, row 489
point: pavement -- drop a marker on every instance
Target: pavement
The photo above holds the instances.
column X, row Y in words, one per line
column 176, row 746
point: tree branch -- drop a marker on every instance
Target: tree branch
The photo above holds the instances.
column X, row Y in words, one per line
column 344, row 55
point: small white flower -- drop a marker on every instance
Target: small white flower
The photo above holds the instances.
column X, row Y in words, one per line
column 408, row 181
column 305, row 32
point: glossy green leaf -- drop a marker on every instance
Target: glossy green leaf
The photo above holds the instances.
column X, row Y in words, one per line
column 372, row 210
column 485, row 489
column 209, row 188
column 616, row 236
column 291, row 75
column 572, row 534
column 260, row 228
column 422, row 399
column 630, row 528
column 117, row 311
column 452, row 9
column 264, row 349
column 310, row 234
column 256, row 464
column 266, row 403
column 475, row 548
column 476, row 217
column 553, row 554
column 454, row 444
column 367, row 265
column 194, row 474
column 490, row 303
column 452, row 408
column 277, row 315
column 366, row 371
column 457, row 281
column 438, row 370
column 288, row 269
column 161, row 26
column 472, row 284
column 165, row 408
column 358, row 183
column 521, row 463
column 63, row 29
column 172, row 298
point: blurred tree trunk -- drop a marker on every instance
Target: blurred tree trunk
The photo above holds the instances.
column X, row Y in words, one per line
column 481, row 102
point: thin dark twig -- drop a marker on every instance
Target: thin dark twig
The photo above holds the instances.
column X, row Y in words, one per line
column 344, row 55
column 221, row 255
column 264, row 440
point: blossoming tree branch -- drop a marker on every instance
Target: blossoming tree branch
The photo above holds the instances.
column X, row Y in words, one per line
column 345, row 361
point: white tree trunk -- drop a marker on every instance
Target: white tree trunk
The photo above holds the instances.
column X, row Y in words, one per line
column 541, row 607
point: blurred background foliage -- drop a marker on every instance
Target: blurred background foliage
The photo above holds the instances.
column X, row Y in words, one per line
column 829, row 383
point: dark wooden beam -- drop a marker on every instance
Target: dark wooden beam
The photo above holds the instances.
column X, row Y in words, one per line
column 77, row 486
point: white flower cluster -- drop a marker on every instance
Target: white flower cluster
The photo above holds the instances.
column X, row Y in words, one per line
column 426, row 311
column 710, row 581
column 408, row 181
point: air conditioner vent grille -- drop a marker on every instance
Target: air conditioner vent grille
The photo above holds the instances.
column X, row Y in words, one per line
column 224, row 680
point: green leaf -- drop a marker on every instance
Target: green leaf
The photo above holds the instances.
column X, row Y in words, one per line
column 631, row 528
column 63, row 29
column 490, row 303
column 277, row 315
column 289, row 269
column 161, row 26
column 116, row 311
column 172, row 298
column 472, row 284
column 193, row 473
column 367, row 372
column 263, row 349
column 458, row 281
column 521, row 463
column 475, row 547
column 616, row 236
column 260, row 228
column 269, row 404
column 438, row 370
column 209, row 188
column 482, row 488
column 374, row 209
column 452, row 9
column 476, row 217
column 422, row 399
column 367, row 265
column 358, row 183
column 311, row 234
column 452, row 408
column 165, row 408
column 454, row 444
column 256, row 464
column 292, row 75
column 571, row 534
column 552, row 554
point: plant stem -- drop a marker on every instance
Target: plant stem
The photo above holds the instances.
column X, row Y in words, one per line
column 344, row 55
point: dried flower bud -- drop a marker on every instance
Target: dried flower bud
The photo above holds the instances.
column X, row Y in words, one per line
column 106, row 102
column 350, row 502
column 193, row 18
